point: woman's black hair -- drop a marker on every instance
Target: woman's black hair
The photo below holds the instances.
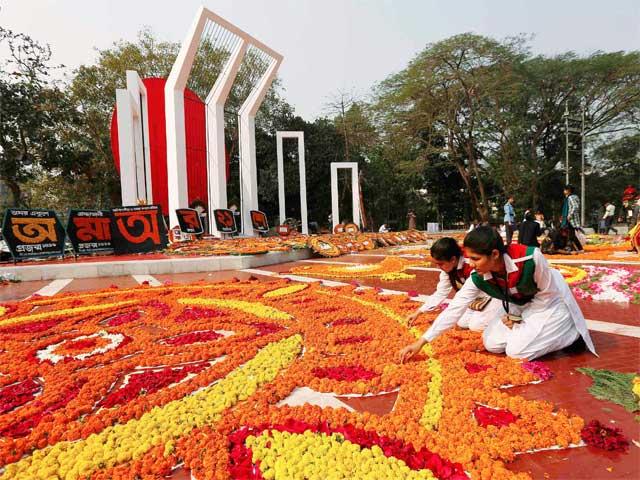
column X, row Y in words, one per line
column 445, row 249
column 484, row 240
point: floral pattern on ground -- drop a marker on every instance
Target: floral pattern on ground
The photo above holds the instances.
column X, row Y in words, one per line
column 207, row 366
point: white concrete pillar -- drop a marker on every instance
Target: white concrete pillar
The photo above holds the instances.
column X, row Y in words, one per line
column 302, row 173
column 355, row 192
column 216, row 159
column 174, row 112
column 126, row 148
column 247, row 126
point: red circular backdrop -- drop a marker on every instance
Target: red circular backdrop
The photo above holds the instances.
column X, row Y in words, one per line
column 195, row 136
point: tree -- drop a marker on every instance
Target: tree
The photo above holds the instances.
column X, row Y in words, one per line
column 446, row 93
column 32, row 111
column 526, row 132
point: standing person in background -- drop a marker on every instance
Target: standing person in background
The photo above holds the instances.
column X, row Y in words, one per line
column 570, row 219
column 411, row 219
column 509, row 219
column 609, row 216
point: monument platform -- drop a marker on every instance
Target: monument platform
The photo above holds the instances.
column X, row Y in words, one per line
column 149, row 264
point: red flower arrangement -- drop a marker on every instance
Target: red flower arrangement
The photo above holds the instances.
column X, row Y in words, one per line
column 198, row 313
column 265, row 328
column 80, row 344
column 149, row 382
column 18, row 394
column 123, row 318
column 476, row 367
column 163, row 307
column 33, row 327
column 607, row 438
column 486, row 416
column 24, row 427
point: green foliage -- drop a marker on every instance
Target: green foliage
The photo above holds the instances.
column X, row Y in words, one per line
column 613, row 386
column 32, row 113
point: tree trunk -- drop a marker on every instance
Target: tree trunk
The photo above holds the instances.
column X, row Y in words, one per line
column 481, row 206
column 16, row 191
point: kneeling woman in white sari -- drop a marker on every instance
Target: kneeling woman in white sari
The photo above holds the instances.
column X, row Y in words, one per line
column 455, row 271
column 540, row 313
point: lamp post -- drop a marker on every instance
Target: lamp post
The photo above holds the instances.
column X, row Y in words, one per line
column 582, row 183
column 566, row 142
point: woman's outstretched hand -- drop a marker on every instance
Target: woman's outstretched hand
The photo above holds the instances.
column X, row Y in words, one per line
column 407, row 352
column 411, row 318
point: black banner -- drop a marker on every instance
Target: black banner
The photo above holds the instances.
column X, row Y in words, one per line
column 259, row 221
column 138, row 229
column 33, row 233
column 89, row 231
column 224, row 220
column 189, row 220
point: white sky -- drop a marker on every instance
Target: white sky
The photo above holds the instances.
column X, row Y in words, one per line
column 331, row 44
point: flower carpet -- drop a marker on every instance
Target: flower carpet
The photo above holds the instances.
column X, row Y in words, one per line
column 127, row 383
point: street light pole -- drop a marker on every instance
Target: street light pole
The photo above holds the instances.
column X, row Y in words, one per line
column 582, row 187
column 566, row 142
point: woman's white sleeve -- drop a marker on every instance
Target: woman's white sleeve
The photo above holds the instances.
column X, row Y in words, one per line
column 440, row 295
column 447, row 319
column 542, row 274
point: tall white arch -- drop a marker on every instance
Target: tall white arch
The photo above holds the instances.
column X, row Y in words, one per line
column 174, row 110
column 355, row 192
column 303, row 181
column 133, row 141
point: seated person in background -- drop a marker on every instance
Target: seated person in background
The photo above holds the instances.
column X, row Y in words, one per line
column 542, row 315
column 529, row 232
column 383, row 228
column 455, row 270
